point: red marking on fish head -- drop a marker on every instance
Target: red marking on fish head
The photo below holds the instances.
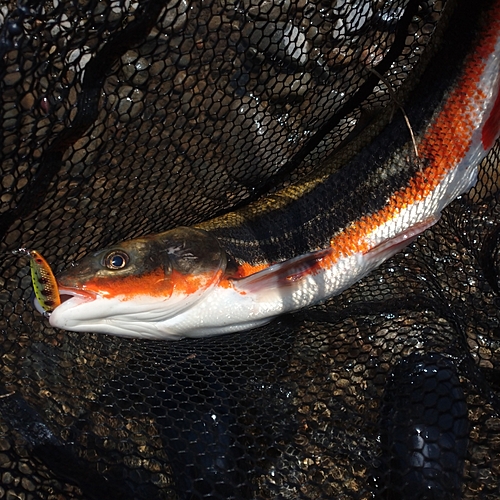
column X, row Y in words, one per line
column 152, row 284
column 155, row 283
column 190, row 284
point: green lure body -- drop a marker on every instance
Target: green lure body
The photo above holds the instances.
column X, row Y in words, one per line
column 43, row 279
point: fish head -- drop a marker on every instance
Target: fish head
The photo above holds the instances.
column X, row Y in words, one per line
column 129, row 288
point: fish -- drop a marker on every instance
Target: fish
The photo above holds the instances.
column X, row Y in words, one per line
column 44, row 282
column 314, row 239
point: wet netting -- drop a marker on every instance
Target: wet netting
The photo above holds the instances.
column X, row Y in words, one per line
column 122, row 118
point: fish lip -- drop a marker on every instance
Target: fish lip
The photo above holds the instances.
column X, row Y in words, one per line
column 65, row 295
column 68, row 293
column 67, row 314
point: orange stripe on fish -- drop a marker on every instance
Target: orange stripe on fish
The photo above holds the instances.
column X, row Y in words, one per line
column 154, row 284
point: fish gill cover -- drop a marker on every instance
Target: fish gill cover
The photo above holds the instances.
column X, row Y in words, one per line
column 124, row 118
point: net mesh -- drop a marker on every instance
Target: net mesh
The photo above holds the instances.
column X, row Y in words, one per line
column 123, row 118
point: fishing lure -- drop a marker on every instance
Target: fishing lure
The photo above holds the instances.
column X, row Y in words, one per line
column 43, row 279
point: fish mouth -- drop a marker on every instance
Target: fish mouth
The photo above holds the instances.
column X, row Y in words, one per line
column 65, row 295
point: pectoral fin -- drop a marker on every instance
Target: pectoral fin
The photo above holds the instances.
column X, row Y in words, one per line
column 284, row 273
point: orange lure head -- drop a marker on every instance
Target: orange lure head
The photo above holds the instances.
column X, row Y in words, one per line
column 44, row 283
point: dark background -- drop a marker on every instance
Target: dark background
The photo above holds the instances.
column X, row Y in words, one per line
column 123, row 118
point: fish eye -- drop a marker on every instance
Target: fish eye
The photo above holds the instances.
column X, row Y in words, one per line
column 117, row 259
